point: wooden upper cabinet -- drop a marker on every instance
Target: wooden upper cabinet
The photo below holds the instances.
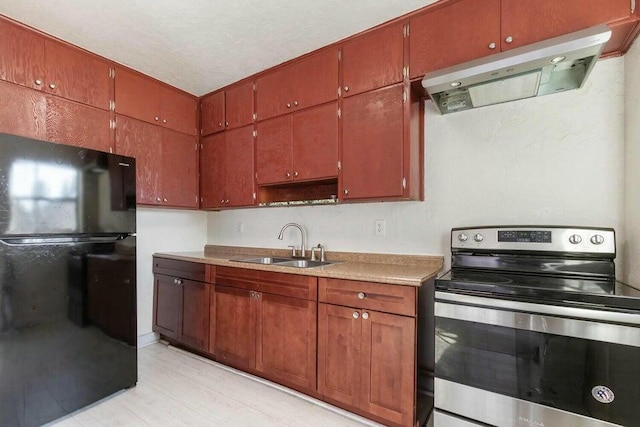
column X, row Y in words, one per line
column 315, row 143
column 373, row 144
column 528, row 22
column 373, row 60
column 306, row 82
column 273, row 150
column 239, row 170
column 239, row 105
column 179, row 170
column 75, row 75
column 22, row 111
column 212, row 171
column 212, row 113
column 137, row 96
column 144, row 98
column 178, row 110
column 72, row 123
column 21, row 56
column 455, row 33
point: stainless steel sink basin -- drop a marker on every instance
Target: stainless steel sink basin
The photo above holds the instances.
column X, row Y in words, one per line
column 263, row 260
column 303, row 263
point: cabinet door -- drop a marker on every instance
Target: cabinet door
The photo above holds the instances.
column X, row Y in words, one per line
column 21, row 56
column 239, row 105
column 274, row 94
column 144, row 142
column 22, row 111
column 137, row 96
column 238, row 165
column 529, row 22
column 315, row 143
column 373, row 60
column 388, row 366
column 212, row 113
column 232, row 327
column 179, row 170
column 166, row 306
column 194, row 315
column 372, row 144
column 75, row 124
column 286, row 340
column 273, row 150
column 75, row 75
column 452, row 34
column 212, row 171
column 314, row 80
column 178, row 110
column 339, row 336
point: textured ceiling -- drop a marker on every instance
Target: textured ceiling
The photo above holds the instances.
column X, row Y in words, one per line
column 202, row 45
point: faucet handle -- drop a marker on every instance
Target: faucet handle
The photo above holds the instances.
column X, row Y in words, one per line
column 293, row 250
column 313, row 253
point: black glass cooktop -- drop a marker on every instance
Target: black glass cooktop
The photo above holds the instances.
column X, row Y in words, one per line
column 563, row 290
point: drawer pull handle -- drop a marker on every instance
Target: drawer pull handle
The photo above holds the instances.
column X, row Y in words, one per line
column 356, row 315
column 361, row 295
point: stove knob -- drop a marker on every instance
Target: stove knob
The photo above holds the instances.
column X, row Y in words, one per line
column 478, row 237
column 463, row 237
column 597, row 239
column 574, row 239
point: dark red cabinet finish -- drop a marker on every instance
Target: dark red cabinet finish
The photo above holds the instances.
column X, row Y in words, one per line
column 179, row 170
column 373, row 144
column 193, row 327
column 239, row 105
column 373, row 60
column 178, row 110
column 227, row 174
column 274, row 155
column 212, row 117
column 21, row 56
column 22, row 111
column 166, row 306
column 72, row 123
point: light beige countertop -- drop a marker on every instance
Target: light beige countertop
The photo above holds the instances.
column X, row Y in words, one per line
column 411, row 270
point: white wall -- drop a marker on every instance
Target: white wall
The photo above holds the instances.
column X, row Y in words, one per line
column 632, row 156
column 162, row 230
column 557, row 159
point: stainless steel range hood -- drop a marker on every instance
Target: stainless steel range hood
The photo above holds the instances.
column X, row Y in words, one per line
column 550, row 66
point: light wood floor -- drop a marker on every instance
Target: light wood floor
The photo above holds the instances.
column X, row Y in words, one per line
column 176, row 388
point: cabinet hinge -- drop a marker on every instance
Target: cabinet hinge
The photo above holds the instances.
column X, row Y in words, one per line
column 633, row 6
column 196, row 146
column 404, row 183
column 340, row 55
column 339, row 165
column 112, row 73
column 255, row 87
column 255, row 133
column 110, row 150
column 404, row 71
column 255, row 117
column 112, row 105
column 404, row 96
column 201, row 199
column 339, row 91
column 112, row 124
column 408, row 30
column 254, row 196
column 201, row 147
column 339, row 113
column 256, row 175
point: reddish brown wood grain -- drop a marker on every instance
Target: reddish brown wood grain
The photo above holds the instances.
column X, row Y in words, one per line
column 315, row 143
column 238, row 165
column 179, row 173
column 372, row 144
column 291, row 285
column 212, row 114
column 373, row 60
column 22, row 111
column 274, row 150
column 212, row 171
column 72, row 74
column 72, row 123
column 239, row 105
column 21, row 55
column 137, row 96
column 143, row 141
column 178, row 110
column 166, row 306
column 194, row 315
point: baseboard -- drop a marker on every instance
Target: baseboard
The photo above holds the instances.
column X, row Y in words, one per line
column 147, row 339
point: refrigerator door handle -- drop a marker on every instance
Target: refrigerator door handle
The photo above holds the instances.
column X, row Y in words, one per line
column 42, row 241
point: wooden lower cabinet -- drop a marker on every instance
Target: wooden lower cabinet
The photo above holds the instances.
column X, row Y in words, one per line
column 166, row 306
column 367, row 360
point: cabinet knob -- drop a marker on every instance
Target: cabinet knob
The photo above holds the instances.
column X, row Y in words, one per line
column 346, row 88
column 52, row 86
column 288, row 175
column 362, row 295
column 156, row 118
column 179, row 281
column 175, row 281
column 38, row 82
column 295, row 174
column 222, row 201
column 226, row 201
column 219, row 124
column 492, row 46
column 365, row 315
column 356, row 315
column 164, row 120
column 158, row 199
column 288, row 105
column 509, row 39
column 346, row 191
column 226, row 123
column 295, row 103
column 164, row 200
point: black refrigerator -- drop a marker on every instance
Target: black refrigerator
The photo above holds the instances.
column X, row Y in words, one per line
column 67, row 279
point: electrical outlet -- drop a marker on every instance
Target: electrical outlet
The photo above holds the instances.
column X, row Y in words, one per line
column 380, row 227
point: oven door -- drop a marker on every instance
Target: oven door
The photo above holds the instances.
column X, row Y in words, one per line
column 510, row 363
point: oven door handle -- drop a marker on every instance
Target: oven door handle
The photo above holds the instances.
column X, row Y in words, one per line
column 512, row 314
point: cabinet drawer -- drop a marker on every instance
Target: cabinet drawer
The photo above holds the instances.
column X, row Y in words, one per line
column 182, row 269
column 291, row 285
column 374, row 296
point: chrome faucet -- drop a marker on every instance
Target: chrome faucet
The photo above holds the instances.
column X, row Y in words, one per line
column 303, row 252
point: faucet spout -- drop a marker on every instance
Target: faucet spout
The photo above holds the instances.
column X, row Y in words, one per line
column 303, row 234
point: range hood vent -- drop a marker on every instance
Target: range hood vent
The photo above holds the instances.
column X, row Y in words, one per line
column 550, row 66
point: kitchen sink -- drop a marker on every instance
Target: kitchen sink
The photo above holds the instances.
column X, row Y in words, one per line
column 285, row 262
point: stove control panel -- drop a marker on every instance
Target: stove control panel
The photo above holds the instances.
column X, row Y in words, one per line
column 536, row 238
